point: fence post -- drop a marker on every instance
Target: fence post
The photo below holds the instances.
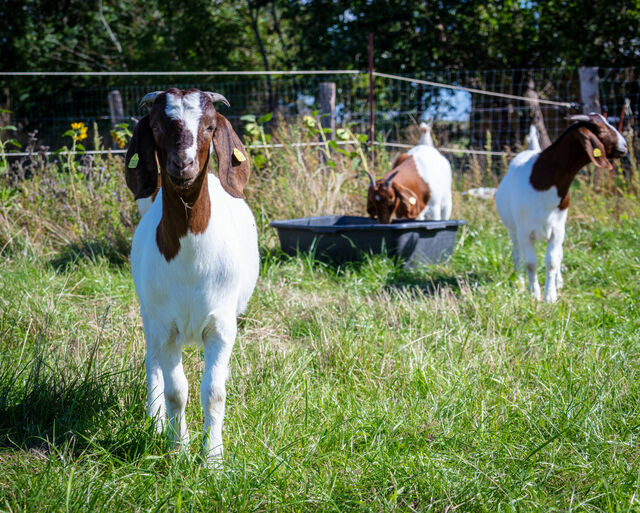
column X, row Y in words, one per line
column 327, row 98
column 536, row 114
column 589, row 89
column 116, row 111
column 372, row 132
column 5, row 103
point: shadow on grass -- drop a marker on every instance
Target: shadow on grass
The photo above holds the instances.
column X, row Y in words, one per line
column 426, row 278
column 115, row 252
column 430, row 279
column 47, row 404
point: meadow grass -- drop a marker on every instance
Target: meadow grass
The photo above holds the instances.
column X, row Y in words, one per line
column 361, row 387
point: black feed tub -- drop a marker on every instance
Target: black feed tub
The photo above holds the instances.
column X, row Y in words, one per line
column 347, row 238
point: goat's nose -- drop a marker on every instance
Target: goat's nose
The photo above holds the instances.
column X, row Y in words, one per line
column 181, row 164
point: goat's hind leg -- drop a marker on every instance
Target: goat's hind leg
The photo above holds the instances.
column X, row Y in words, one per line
column 528, row 251
column 218, row 343
column 553, row 263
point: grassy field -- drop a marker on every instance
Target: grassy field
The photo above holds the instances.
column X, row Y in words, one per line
column 364, row 387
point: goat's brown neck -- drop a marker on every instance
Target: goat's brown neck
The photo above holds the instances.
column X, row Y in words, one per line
column 558, row 165
column 183, row 210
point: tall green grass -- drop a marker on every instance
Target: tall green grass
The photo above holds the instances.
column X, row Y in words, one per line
column 361, row 387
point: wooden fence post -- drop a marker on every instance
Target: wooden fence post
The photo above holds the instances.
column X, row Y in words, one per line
column 327, row 99
column 116, row 112
column 589, row 89
column 536, row 114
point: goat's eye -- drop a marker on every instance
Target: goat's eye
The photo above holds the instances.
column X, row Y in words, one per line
column 210, row 128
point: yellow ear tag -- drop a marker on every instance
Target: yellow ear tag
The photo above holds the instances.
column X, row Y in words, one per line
column 412, row 200
column 134, row 161
column 239, row 155
column 597, row 152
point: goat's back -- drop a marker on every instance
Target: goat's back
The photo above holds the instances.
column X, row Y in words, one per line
column 435, row 170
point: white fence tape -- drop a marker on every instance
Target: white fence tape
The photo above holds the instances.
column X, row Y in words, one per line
column 472, row 90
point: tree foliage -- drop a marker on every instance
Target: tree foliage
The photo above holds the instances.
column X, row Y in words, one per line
column 471, row 34
column 263, row 34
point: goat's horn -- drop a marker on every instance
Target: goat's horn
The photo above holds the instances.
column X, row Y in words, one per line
column 372, row 180
column 578, row 117
column 217, row 97
column 148, row 99
column 387, row 183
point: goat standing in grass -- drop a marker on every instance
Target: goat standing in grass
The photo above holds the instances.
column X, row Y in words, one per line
column 533, row 197
column 194, row 256
column 418, row 186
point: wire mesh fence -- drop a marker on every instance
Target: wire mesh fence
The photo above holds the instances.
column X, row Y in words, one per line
column 461, row 119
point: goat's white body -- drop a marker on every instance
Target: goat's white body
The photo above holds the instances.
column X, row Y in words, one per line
column 530, row 215
column 144, row 204
column 194, row 298
column 435, row 170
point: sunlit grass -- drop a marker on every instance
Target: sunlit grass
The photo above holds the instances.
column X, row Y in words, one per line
column 363, row 387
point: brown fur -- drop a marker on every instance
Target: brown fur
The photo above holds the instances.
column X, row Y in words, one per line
column 186, row 205
column 558, row 164
column 400, row 159
column 395, row 199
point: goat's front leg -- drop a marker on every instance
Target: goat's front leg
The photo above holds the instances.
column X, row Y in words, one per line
column 155, row 391
column 553, row 263
column 218, row 344
column 176, row 389
column 528, row 251
column 155, row 336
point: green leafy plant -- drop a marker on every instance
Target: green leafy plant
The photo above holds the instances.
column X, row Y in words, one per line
column 78, row 132
column 4, row 164
column 255, row 135
column 121, row 134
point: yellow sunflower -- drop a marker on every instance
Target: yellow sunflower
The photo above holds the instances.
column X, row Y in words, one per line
column 80, row 130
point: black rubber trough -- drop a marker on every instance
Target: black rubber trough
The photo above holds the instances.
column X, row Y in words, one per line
column 347, row 238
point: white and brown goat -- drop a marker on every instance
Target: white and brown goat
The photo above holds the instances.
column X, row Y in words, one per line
column 194, row 256
column 533, row 197
column 418, row 186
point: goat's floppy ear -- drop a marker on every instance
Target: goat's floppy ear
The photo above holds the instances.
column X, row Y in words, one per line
column 233, row 161
column 408, row 200
column 594, row 148
column 140, row 166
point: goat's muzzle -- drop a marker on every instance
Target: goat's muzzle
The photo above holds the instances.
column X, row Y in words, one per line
column 182, row 172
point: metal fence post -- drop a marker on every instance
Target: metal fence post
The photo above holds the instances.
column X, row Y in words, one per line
column 589, row 89
column 115, row 111
column 371, row 107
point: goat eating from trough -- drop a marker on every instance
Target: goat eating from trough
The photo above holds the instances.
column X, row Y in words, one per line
column 533, row 197
column 194, row 255
column 418, row 186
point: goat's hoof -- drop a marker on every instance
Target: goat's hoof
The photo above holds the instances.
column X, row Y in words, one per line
column 213, row 460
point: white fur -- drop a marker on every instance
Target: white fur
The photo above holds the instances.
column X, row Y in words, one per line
column 188, row 110
column 435, row 170
column 622, row 144
column 194, row 298
column 144, row 204
column 534, row 141
column 530, row 215
column 425, row 136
